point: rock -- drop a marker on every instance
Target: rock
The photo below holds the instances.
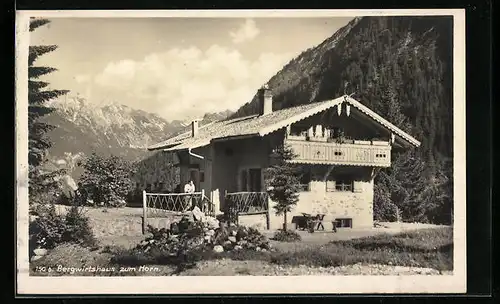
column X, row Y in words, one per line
column 263, row 249
column 212, row 222
column 35, row 257
column 207, row 238
column 40, row 251
column 232, row 224
column 210, row 232
column 228, row 242
column 232, row 239
column 218, row 249
column 198, row 214
column 238, row 247
column 258, row 249
column 234, row 232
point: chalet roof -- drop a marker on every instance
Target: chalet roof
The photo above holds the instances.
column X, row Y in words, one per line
column 256, row 125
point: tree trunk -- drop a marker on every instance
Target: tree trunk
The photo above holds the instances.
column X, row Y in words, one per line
column 284, row 222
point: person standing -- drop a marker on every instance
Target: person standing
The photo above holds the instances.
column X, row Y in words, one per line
column 189, row 189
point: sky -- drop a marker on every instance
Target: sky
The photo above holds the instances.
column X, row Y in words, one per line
column 178, row 68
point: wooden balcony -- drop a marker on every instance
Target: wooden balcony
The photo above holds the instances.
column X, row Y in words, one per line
column 357, row 153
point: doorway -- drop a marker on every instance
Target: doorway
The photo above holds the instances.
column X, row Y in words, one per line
column 194, row 175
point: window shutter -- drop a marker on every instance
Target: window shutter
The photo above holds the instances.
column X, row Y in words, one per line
column 357, row 186
column 330, row 186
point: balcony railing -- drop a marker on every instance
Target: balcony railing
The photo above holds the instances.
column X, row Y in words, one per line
column 246, row 202
column 360, row 153
column 158, row 204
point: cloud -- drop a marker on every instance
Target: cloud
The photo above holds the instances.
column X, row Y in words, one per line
column 246, row 32
column 189, row 82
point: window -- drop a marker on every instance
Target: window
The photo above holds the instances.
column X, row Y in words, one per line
column 343, row 185
column 305, row 180
column 343, row 222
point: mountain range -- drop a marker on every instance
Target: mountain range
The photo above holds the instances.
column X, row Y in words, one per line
column 85, row 127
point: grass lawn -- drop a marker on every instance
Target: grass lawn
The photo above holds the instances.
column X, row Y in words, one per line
column 425, row 248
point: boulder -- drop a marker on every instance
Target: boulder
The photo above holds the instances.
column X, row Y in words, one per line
column 232, row 239
column 218, row 249
column 198, row 214
column 210, row 232
column 258, row 249
column 238, row 247
column 212, row 222
column 40, row 251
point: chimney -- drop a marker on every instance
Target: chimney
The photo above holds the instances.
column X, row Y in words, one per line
column 266, row 100
column 194, row 128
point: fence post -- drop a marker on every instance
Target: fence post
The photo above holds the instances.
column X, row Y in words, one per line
column 144, row 212
column 202, row 201
column 268, row 214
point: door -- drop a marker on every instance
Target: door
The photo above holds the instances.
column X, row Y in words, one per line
column 255, row 182
column 194, row 175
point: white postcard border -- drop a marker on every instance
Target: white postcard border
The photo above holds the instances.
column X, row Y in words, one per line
column 455, row 283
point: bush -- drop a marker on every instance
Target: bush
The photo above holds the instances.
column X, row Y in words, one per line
column 106, row 181
column 188, row 242
column 51, row 229
column 286, row 236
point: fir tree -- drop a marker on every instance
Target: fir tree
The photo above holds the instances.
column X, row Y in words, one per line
column 39, row 181
column 283, row 184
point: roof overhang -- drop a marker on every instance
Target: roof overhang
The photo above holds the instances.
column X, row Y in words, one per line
column 398, row 133
column 236, row 137
column 320, row 108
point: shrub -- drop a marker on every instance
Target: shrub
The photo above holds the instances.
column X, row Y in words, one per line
column 51, row 229
column 106, row 181
column 188, row 242
column 286, row 236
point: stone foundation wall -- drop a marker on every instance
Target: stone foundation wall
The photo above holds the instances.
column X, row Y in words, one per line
column 258, row 221
column 355, row 205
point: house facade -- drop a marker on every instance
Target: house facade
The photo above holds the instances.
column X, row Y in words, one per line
column 340, row 146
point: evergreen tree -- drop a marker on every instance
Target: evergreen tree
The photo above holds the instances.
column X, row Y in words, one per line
column 39, row 182
column 283, row 184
